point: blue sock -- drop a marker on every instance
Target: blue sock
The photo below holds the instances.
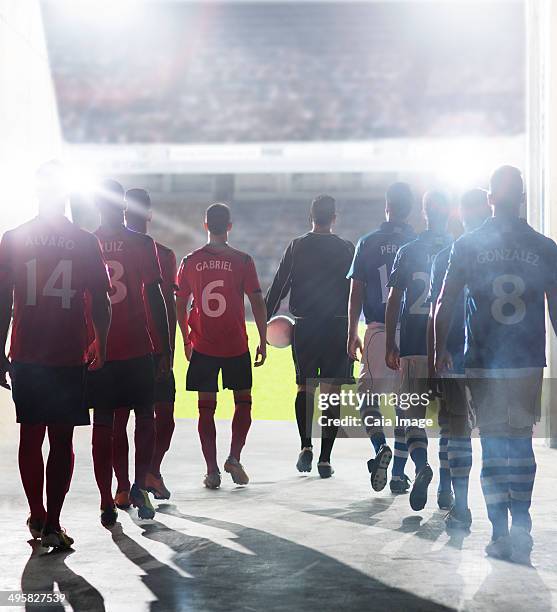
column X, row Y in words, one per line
column 495, row 484
column 416, row 440
column 460, row 464
column 522, row 473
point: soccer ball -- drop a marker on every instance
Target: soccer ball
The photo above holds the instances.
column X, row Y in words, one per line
column 279, row 331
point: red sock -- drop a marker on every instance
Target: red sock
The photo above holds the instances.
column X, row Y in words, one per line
column 240, row 425
column 31, row 467
column 121, row 449
column 208, row 433
column 144, row 445
column 58, row 471
column 102, row 462
column 164, row 428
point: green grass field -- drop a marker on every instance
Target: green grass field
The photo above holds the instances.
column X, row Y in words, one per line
column 274, row 386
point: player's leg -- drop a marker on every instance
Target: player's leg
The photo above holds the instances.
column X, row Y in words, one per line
column 59, row 469
column 103, row 419
column 400, row 483
column 144, row 438
column 120, row 457
column 445, row 497
column 31, row 468
column 329, row 430
column 237, row 376
column 305, row 399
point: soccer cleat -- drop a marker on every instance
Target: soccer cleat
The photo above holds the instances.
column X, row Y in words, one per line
column 501, row 548
column 460, row 520
column 212, row 480
column 304, row 460
column 236, row 470
column 109, row 516
column 377, row 467
column 55, row 538
column 445, row 500
column 325, row 469
column 35, row 527
column 156, row 486
column 140, row 499
column 399, row 484
column 122, row 500
column 522, row 544
column 418, row 495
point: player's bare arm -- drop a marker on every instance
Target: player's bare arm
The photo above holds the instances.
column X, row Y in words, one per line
column 170, row 302
column 101, row 314
column 355, row 304
column 551, row 297
column 182, row 319
column 259, row 310
column 443, row 315
column 6, row 306
column 281, row 283
column 392, row 312
column 160, row 317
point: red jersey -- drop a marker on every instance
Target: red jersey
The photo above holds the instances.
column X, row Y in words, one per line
column 218, row 280
column 167, row 262
column 51, row 264
column 133, row 264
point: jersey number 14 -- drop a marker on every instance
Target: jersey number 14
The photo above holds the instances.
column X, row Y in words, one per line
column 58, row 285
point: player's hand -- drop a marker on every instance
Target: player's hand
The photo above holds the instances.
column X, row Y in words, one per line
column 4, row 369
column 260, row 355
column 95, row 358
column 443, row 362
column 392, row 358
column 188, row 351
column 164, row 367
column 354, row 345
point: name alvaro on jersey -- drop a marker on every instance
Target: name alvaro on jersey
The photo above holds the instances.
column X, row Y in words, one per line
column 59, row 242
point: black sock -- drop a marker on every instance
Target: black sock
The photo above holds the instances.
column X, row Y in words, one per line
column 328, row 434
column 304, row 417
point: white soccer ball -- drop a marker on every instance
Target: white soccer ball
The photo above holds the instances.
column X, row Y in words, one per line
column 279, row 331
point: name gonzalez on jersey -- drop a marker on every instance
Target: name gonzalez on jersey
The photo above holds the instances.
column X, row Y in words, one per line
column 492, row 255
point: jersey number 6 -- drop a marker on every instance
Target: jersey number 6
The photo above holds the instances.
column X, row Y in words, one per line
column 209, row 297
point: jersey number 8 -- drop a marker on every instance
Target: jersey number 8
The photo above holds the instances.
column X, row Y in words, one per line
column 515, row 309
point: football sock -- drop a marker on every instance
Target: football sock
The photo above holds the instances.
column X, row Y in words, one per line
column 416, row 440
column 120, row 449
column 31, row 467
column 144, row 443
column 444, row 471
column 304, row 417
column 495, row 485
column 522, row 473
column 240, row 425
column 102, row 462
column 58, row 471
column 208, row 433
column 400, row 454
column 460, row 464
column 164, row 428
column 368, row 414
column 328, row 434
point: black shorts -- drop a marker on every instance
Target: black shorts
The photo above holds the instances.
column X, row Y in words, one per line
column 122, row 384
column 165, row 390
column 45, row 395
column 203, row 373
column 319, row 351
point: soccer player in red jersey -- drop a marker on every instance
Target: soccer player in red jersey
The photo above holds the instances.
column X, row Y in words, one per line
column 138, row 215
column 215, row 337
column 47, row 267
column 128, row 377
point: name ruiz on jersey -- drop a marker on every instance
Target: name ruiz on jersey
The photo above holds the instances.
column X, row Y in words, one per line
column 494, row 255
column 59, row 242
column 214, row 265
column 113, row 246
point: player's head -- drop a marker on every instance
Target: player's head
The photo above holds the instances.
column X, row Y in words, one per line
column 436, row 208
column 52, row 190
column 110, row 201
column 506, row 191
column 138, row 209
column 218, row 220
column 474, row 209
column 399, row 200
column 323, row 211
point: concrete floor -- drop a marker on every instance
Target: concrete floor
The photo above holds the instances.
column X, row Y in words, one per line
column 285, row 542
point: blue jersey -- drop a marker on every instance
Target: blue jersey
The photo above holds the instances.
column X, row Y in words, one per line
column 507, row 268
column 455, row 340
column 373, row 260
column 410, row 273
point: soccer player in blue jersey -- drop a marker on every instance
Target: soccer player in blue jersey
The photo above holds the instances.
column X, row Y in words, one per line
column 409, row 283
column 508, row 269
column 455, row 445
column 373, row 260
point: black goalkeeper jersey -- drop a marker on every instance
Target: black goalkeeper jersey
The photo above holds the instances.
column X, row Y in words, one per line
column 313, row 269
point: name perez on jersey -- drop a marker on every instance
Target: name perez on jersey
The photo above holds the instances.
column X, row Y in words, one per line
column 214, row 265
column 493, row 255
